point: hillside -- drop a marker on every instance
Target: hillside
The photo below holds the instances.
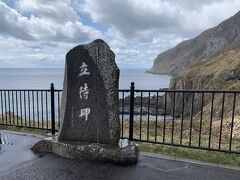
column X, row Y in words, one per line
column 221, row 71
column 208, row 43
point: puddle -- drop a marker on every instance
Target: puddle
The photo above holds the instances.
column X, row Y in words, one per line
column 15, row 149
column 9, row 141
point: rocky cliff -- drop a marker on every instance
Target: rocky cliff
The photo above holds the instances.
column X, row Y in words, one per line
column 208, row 43
column 221, row 71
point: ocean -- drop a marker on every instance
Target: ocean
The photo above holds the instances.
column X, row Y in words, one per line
column 41, row 78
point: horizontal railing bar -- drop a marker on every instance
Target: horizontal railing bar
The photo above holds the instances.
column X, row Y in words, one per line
column 186, row 90
column 26, row 90
column 124, row 90
column 57, row 90
column 142, row 90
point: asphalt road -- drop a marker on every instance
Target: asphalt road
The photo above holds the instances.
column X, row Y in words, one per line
column 21, row 163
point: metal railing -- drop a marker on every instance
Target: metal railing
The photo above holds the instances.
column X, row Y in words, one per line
column 31, row 108
column 200, row 119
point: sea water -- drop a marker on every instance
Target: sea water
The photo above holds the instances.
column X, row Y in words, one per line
column 41, row 78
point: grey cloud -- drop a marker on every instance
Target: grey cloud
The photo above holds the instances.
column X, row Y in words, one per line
column 130, row 20
column 125, row 14
column 59, row 11
column 143, row 20
column 193, row 4
column 16, row 25
column 10, row 24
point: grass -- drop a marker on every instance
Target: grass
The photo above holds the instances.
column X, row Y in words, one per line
column 25, row 130
column 148, row 133
column 201, row 155
column 14, row 123
column 155, row 131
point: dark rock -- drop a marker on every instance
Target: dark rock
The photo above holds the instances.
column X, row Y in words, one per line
column 141, row 105
column 90, row 95
column 232, row 75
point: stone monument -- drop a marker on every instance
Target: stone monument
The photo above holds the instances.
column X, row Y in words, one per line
column 90, row 127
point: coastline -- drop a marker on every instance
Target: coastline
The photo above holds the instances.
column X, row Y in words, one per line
column 157, row 73
column 41, row 78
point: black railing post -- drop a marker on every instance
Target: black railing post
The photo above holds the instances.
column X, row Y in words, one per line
column 52, row 109
column 132, row 89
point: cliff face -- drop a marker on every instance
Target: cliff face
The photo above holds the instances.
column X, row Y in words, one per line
column 221, row 71
column 208, row 43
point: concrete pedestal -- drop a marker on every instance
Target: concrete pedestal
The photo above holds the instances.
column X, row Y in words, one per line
column 125, row 152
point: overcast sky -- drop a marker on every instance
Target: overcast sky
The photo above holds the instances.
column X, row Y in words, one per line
column 38, row 33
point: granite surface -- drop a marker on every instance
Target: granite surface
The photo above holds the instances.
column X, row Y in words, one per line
column 89, row 109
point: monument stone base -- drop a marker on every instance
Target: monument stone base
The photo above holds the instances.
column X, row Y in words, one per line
column 125, row 152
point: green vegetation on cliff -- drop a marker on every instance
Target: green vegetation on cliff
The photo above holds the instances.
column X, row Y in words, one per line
column 221, row 71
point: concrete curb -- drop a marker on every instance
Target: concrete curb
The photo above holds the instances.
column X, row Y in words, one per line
column 197, row 162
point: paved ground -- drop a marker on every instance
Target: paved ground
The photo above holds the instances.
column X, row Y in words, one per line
column 15, row 150
column 18, row 162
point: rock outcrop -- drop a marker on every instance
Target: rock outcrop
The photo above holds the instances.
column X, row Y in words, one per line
column 208, row 43
column 232, row 74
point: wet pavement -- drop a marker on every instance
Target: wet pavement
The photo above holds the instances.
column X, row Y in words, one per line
column 15, row 150
column 18, row 162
